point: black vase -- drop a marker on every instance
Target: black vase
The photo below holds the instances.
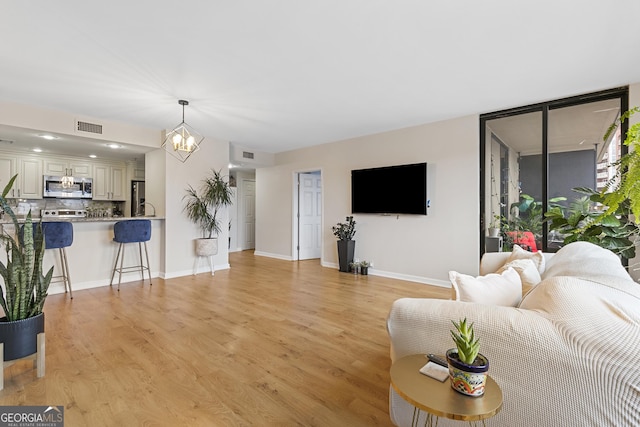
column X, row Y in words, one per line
column 20, row 337
column 346, row 250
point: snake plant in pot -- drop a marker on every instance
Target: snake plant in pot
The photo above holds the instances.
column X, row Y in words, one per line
column 467, row 367
column 203, row 209
column 24, row 286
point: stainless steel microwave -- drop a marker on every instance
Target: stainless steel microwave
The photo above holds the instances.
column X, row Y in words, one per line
column 67, row 187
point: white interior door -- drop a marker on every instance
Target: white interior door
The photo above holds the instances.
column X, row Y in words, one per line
column 309, row 215
column 248, row 213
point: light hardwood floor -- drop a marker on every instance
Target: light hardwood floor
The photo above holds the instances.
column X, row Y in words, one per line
column 266, row 343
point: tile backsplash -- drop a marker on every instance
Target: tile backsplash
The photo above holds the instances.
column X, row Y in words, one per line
column 37, row 205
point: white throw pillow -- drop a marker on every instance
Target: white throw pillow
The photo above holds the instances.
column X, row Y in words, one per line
column 584, row 259
column 536, row 257
column 492, row 289
column 527, row 270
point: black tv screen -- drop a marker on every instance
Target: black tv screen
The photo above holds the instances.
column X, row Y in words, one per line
column 398, row 189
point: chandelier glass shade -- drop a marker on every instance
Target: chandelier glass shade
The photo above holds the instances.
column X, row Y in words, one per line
column 182, row 140
column 67, row 181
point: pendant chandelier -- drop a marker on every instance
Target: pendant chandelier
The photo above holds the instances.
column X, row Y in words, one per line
column 183, row 140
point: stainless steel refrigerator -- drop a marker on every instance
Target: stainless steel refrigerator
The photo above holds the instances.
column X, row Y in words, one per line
column 137, row 198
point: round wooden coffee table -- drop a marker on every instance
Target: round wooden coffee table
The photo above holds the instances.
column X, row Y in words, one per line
column 437, row 398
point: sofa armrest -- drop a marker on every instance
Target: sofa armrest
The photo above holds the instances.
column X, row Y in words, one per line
column 422, row 325
column 517, row 342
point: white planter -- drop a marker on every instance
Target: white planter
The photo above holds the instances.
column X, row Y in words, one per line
column 206, row 247
column 494, row 232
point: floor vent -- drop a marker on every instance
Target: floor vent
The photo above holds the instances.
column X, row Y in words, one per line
column 247, row 155
column 88, row 127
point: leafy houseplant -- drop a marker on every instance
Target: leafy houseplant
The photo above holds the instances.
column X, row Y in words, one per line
column 467, row 367
column 581, row 222
column 203, row 209
column 624, row 186
column 345, row 231
column 25, row 287
column 616, row 226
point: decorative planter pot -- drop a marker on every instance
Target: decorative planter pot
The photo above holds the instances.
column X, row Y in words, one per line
column 364, row 270
column 206, row 247
column 469, row 380
column 346, row 250
column 20, row 337
column 494, row 232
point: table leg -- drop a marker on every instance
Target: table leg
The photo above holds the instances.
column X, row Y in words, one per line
column 428, row 419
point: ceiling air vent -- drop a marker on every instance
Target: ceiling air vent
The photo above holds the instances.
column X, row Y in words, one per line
column 247, row 155
column 88, row 127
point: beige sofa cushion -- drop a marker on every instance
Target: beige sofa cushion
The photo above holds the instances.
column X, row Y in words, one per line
column 493, row 289
column 527, row 270
column 537, row 257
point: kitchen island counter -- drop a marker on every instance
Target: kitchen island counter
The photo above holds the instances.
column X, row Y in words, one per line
column 7, row 220
column 93, row 252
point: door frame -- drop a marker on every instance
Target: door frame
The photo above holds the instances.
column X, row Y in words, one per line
column 295, row 218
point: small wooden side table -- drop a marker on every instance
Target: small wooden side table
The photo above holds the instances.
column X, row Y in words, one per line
column 437, row 398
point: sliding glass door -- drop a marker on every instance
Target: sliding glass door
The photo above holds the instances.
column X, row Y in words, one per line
column 540, row 156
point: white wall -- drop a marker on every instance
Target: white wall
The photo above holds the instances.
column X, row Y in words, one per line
column 179, row 231
column 419, row 248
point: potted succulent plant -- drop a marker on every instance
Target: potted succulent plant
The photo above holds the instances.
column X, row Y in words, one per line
column 355, row 267
column 364, row 267
column 25, row 287
column 494, row 226
column 203, row 209
column 467, row 367
column 345, row 231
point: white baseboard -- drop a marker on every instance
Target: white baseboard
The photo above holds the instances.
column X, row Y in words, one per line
column 58, row 287
column 399, row 276
column 270, row 255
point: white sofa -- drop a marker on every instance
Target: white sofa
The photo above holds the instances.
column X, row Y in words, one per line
column 568, row 355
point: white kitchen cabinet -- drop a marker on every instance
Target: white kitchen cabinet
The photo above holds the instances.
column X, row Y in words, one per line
column 109, row 181
column 62, row 167
column 28, row 184
column 8, row 168
column 30, row 178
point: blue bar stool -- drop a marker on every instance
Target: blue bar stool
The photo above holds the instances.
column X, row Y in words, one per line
column 59, row 235
column 131, row 231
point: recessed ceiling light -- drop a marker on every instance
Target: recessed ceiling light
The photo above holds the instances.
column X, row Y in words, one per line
column 114, row 146
column 37, row 150
column 48, row 137
column 93, row 156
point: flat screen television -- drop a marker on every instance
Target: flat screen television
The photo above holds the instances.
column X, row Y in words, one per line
column 400, row 189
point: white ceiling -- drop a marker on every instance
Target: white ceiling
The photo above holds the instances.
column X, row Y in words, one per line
column 281, row 74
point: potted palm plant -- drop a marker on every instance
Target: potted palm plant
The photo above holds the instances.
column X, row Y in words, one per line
column 345, row 231
column 25, row 287
column 203, row 209
column 467, row 367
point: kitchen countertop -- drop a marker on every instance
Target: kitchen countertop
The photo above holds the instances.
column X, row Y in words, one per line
column 7, row 219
